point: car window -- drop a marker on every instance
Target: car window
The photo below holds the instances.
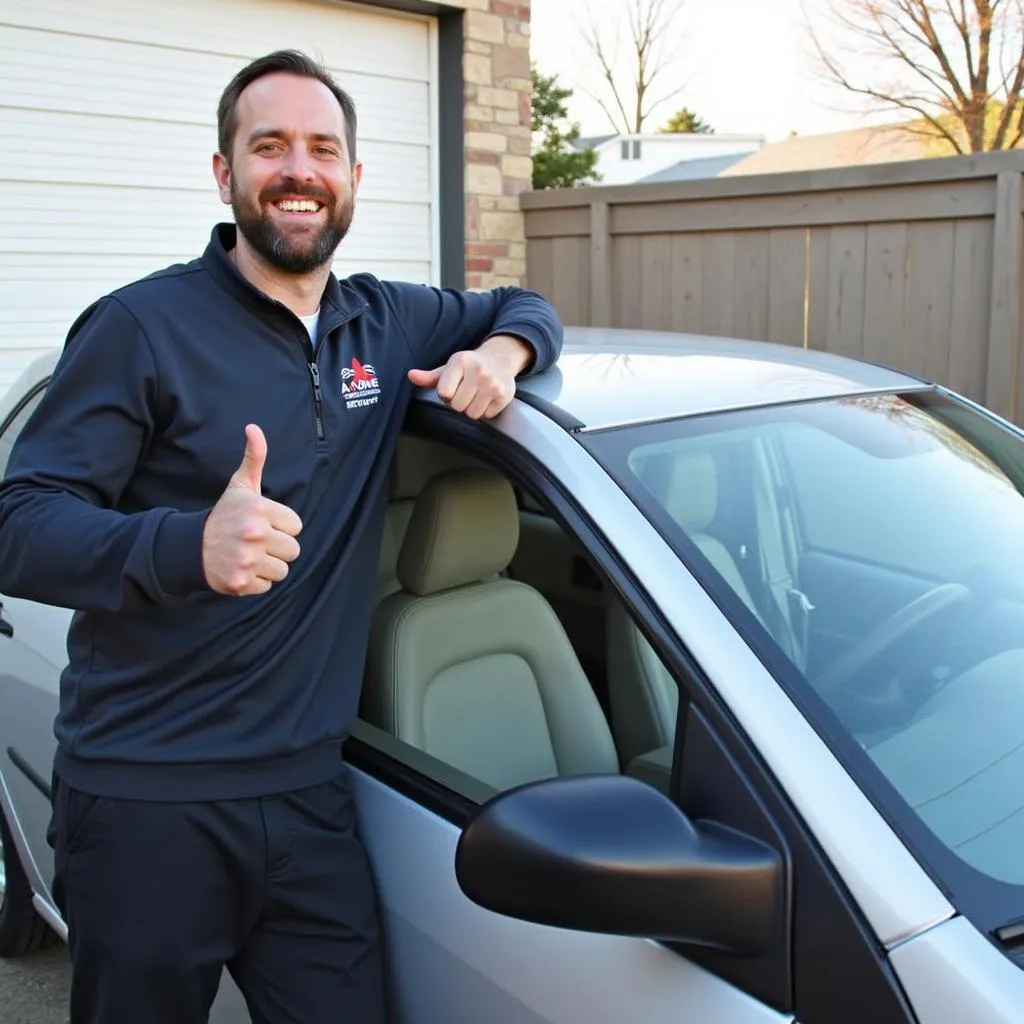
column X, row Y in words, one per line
column 875, row 543
column 527, row 670
column 830, row 474
column 15, row 426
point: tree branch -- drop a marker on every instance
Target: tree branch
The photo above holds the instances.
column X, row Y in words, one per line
column 649, row 24
column 606, row 66
column 942, row 54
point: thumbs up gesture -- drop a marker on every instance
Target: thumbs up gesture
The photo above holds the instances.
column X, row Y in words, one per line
column 249, row 540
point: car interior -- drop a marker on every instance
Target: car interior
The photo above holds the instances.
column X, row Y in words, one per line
column 912, row 642
column 496, row 648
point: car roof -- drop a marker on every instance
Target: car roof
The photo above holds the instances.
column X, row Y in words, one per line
column 612, row 376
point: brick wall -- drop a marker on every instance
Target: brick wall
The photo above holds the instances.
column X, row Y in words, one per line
column 496, row 67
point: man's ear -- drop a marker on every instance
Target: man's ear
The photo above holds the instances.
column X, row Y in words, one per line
column 222, row 174
column 357, row 178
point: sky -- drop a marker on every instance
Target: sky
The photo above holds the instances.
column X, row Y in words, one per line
column 745, row 65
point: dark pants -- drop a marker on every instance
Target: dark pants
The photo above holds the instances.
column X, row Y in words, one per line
column 159, row 897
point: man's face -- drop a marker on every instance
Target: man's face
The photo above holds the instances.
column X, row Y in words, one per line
column 289, row 180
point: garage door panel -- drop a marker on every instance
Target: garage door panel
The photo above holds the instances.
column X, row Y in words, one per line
column 176, row 86
column 58, row 291
column 86, row 150
column 135, row 222
column 61, row 315
column 388, row 109
column 152, row 82
column 240, row 28
column 73, row 267
column 385, row 269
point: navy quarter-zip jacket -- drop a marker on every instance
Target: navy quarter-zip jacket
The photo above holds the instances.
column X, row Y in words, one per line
column 172, row 691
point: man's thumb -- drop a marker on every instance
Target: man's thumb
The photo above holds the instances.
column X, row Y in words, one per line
column 250, row 472
column 426, row 378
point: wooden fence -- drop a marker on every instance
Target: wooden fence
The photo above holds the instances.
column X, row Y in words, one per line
column 916, row 265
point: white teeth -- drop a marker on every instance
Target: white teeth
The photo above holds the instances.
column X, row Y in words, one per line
column 298, row 206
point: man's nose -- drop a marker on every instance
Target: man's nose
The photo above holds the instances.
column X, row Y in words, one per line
column 298, row 165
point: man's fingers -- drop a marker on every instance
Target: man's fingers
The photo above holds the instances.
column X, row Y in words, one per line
column 250, row 473
column 271, row 570
column 281, row 545
column 282, row 518
column 478, row 407
column 452, row 377
column 497, row 406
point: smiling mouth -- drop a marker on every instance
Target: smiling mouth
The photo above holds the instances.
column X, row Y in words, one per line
column 299, row 206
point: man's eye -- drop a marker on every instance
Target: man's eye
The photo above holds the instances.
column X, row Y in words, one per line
column 325, row 151
column 267, row 147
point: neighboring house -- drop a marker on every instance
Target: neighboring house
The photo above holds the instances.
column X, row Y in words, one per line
column 108, row 109
column 693, row 170
column 873, row 145
column 627, row 159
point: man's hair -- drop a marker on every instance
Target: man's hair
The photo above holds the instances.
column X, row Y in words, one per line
column 294, row 63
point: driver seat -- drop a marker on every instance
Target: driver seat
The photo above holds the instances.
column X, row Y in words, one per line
column 643, row 697
column 471, row 667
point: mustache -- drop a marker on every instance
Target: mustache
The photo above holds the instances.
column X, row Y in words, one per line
column 275, row 192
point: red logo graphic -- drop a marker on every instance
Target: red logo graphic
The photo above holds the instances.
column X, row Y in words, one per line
column 359, row 372
column 359, row 384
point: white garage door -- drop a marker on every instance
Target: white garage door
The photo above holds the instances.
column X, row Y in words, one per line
column 108, row 126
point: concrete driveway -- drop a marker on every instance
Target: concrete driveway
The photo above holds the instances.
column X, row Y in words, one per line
column 34, row 990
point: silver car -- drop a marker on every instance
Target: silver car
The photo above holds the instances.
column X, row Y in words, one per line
column 695, row 694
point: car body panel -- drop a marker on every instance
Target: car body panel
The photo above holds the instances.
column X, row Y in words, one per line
column 29, row 688
column 953, row 975
column 609, row 376
column 37, row 371
column 498, row 969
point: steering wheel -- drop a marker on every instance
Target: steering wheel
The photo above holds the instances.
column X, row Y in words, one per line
column 931, row 612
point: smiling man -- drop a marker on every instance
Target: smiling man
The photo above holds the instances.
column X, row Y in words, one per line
column 204, row 482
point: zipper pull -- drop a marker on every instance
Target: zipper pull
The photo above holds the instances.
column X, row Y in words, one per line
column 318, row 400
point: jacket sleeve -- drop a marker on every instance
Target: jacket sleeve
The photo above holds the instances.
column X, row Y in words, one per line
column 62, row 539
column 439, row 322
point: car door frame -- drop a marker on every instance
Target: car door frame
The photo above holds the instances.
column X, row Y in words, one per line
column 724, row 778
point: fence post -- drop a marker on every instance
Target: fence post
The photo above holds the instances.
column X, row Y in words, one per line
column 600, row 266
column 1004, row 340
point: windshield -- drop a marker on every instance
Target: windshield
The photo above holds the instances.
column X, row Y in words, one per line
column 872, row 551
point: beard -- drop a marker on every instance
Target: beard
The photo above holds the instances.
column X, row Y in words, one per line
column 304, row 253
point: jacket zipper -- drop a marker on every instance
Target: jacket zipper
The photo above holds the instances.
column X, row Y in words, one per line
column 318, row 400
column 314, row 372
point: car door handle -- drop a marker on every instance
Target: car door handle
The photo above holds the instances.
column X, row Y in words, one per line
column 6, row 629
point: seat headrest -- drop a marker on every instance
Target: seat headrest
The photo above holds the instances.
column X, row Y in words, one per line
column 691, row 491
column 464, row 526
column 416, row 460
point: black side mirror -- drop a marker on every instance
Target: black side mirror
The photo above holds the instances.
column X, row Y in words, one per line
column 610, row 854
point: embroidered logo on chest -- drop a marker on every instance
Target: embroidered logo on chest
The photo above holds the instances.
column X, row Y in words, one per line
column 359, row 385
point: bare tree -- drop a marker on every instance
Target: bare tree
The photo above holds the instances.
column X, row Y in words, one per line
column 631, row 83
column 956, row 64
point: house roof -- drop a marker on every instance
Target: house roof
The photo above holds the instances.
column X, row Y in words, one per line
column 873, row 145
column 594, row 141
column 690, row 170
